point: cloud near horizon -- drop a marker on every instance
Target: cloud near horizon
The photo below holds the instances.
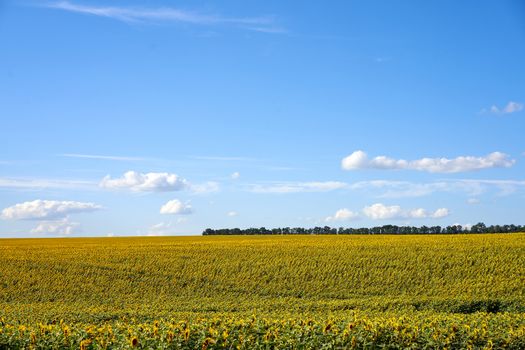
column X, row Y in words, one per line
column 359, row 160
column 380, row 211
column 46, row 209
column 343, row 215
column 62, row 227
column 163, row 229
column 262, row 24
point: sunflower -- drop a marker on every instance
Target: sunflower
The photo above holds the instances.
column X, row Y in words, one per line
column 134, row 342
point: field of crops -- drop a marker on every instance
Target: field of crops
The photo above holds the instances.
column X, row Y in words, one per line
column 428, row 291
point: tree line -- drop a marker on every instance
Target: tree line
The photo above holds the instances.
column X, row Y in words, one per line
column 385, row 229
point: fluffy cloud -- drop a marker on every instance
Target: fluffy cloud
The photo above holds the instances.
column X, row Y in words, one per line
column 44, row 209
column 149, row 182
column 380, row 211
column 296, row 187
column 232, row 213
column 440, row 213
column 511, row 107
column 57, row 227
column 175, row 206
column 342, row 215
column 359, row 160
column 235, row 175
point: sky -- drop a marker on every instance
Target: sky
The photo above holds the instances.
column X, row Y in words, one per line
column 168, row 117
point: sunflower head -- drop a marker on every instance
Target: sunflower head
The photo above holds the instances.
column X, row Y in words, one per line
column 134, row 342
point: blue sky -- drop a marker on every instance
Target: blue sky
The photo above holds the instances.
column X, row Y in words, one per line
column 168, row 117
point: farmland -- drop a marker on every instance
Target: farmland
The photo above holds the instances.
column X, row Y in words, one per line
column 455, row 291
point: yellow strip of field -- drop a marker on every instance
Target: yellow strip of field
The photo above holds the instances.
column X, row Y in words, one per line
column 101, row 280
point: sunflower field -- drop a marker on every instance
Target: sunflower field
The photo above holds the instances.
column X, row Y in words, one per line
column 266, row 292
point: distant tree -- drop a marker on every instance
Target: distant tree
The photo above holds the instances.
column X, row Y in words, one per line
column 385, row 229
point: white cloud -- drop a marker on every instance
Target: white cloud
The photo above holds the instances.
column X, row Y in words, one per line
column 160, row 229
column 471, row 187
column 166, row 14
column 41, row 184
column 175, row 206
column 511, row 107
column 101, row 157
column 343, row 215
column 440, row 213
column 164, row 228
column 235, row 175
column 467, row 226
column 57, row 227
column 380, row 211
column 473, row 201
column 45, row 209
column 207, row 187
column 296, row 187
column 397, row 189
column 418, row 213
column 394, row 188
column 359, row 160
column 224, row 158
column 476, row 187
column 232, row 213
column 356, row 160
column 149, row 182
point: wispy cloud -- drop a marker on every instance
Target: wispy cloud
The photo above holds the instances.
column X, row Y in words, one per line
column 101, row 157
column 297, row 187
column 264, row 24
column 382, row 59
column 223, row 158
column 43, row 184
column 510, row 107
column 205, row 188
column 470, row 187
column 394, row 188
